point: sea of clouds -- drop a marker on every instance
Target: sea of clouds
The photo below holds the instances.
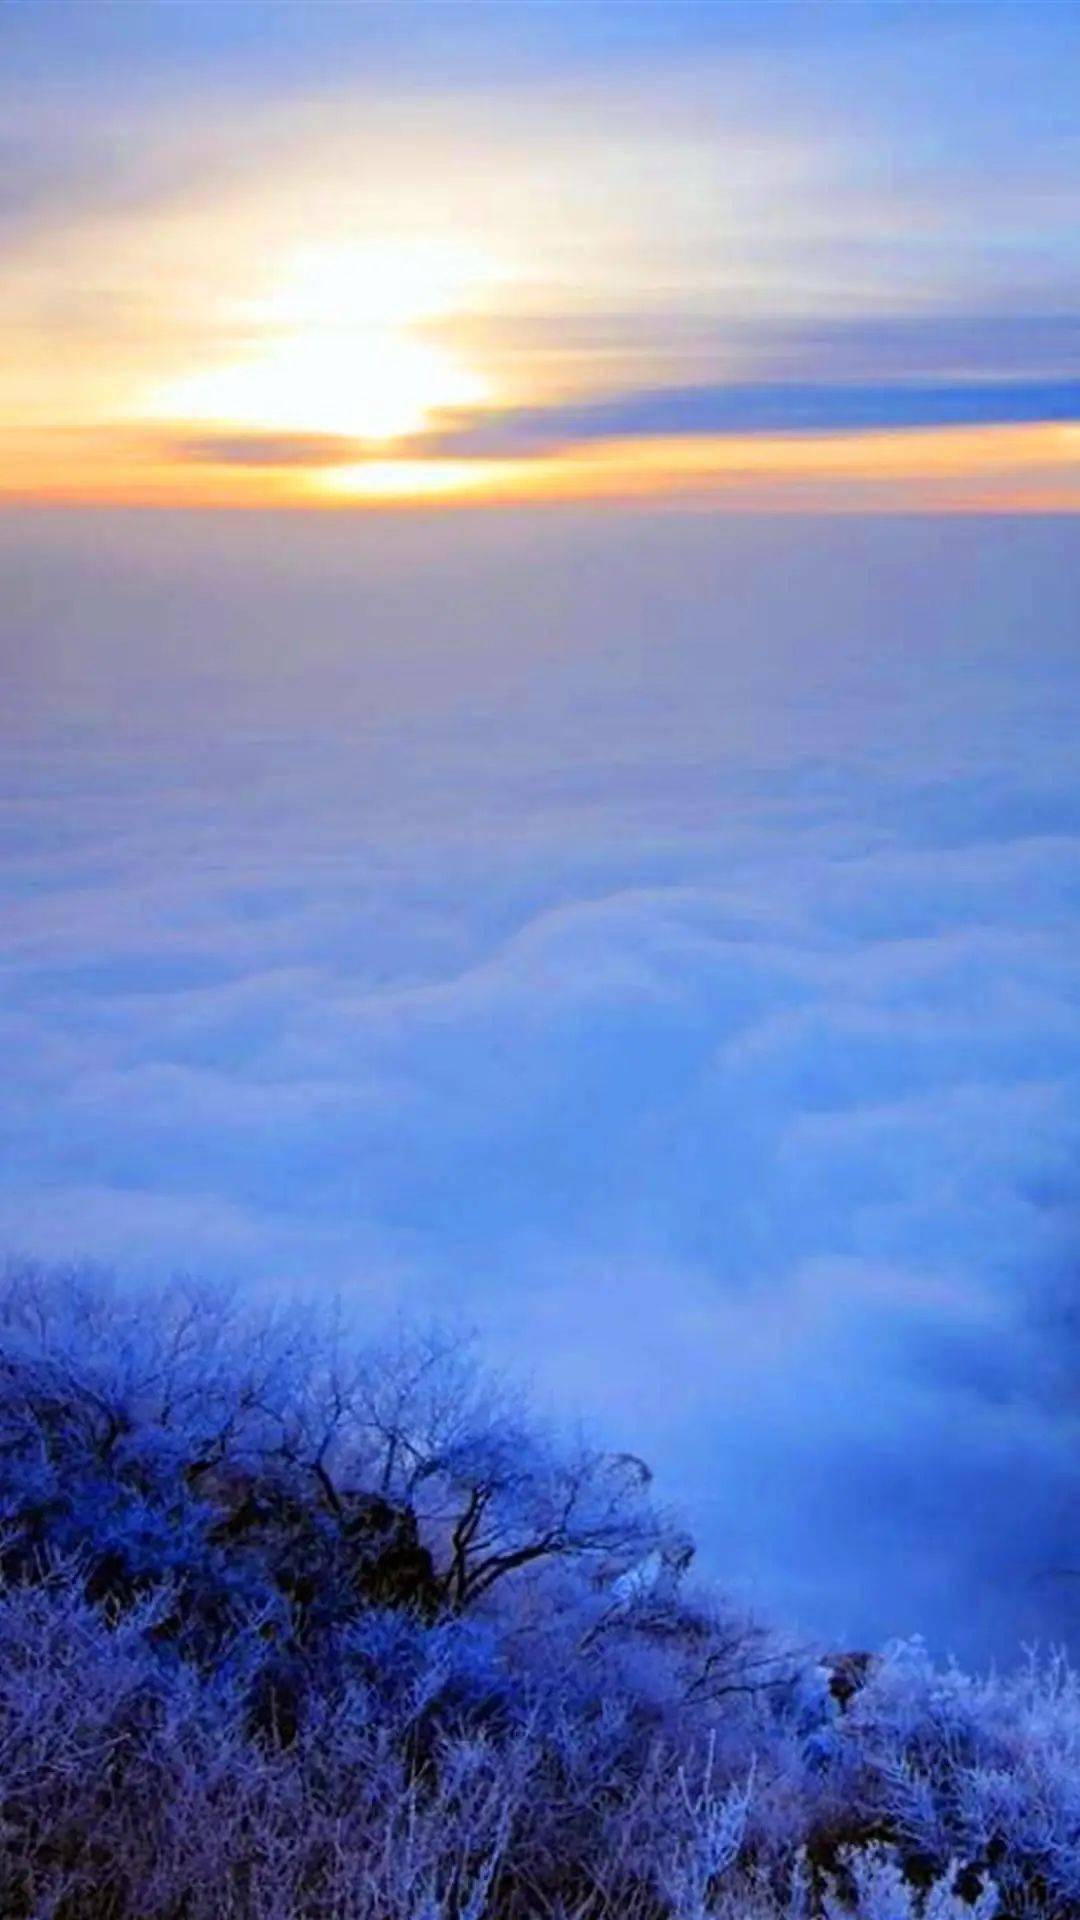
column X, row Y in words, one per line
column 650, row 938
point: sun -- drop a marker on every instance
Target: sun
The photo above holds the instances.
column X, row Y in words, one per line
column 339, row 342
column 365, row 384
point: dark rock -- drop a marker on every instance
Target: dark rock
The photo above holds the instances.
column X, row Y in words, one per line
column 848, row 1674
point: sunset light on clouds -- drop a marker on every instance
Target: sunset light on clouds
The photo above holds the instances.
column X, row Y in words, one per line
column 347, row 260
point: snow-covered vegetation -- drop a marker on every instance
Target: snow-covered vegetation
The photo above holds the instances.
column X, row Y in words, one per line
column 294, row 1628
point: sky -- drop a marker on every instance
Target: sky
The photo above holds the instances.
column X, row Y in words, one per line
column 783, row 256
column 539, row 664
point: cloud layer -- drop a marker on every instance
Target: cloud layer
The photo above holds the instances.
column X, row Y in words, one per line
column 650, row 938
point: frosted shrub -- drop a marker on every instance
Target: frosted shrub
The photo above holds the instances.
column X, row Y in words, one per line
column 879, row 1890
column 293, row 1631
column 708, row 1847
column 983, row 1770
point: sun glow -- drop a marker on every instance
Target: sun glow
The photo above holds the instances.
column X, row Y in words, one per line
column 336, row 345
column 366, row 385
column 389, row 480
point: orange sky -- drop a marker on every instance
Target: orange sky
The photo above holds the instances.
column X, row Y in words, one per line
column 217, row 292
column 1007, row 468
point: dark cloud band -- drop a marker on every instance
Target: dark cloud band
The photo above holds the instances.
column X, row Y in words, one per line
column 759, row 408
column 265, row 449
